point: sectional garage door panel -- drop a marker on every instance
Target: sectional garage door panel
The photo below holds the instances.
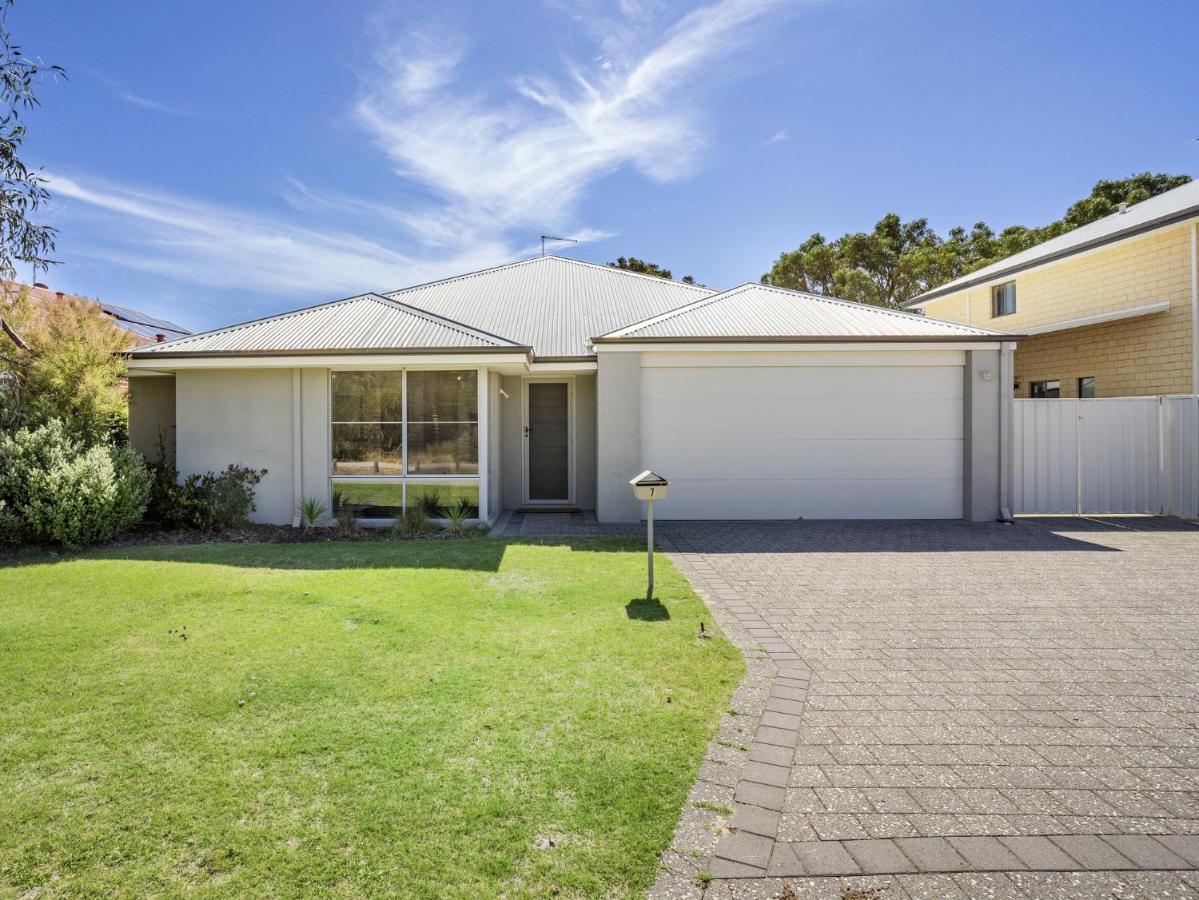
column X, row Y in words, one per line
column 848, row 441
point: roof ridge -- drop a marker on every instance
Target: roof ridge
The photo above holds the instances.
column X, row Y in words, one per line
column 452, row 324
column 534, row 259
column 626, row 330
column 857, row 304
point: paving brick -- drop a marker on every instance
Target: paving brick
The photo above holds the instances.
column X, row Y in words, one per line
column 875, row 857
column 1040, row 853
column 771, row 753
column 765, row 773
column 745, row 848
column 1092, row 852
column 755, row 820
column 824, row 858
column 1183, row 845
column 931, row 854
column 986, row 854
column 1145, row 852
column 727, row 868
column 763, row 795
column 780, row 737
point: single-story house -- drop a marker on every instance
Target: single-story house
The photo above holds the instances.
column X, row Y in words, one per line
column 548, row 383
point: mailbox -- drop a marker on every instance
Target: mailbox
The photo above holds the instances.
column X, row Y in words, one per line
column 649, row 486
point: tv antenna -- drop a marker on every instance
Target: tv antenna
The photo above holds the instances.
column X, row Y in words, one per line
column 554, row 237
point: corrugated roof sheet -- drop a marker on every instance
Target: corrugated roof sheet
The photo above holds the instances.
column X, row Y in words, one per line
column 762, row 311
column 1164, row 209
column 356, row 324
column 551, row 303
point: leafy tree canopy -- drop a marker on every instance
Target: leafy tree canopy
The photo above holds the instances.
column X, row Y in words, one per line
column 633, row 264
column 70, row 371
column 898, row 260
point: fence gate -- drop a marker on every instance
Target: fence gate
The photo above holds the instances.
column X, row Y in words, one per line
column 1117, row 455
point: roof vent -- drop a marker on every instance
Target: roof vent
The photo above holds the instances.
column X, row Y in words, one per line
column 1123, row 207
column 58, row 294
column 159, row 338
column 38, row 284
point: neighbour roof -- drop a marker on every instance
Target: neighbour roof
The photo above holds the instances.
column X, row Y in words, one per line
column 552, row 303
column 765, row 313
column 141, row 327
column 1170, row 208
column 360, row 324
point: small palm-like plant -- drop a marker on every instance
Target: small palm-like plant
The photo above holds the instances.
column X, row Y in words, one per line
column 457, row 514
column 311, row 510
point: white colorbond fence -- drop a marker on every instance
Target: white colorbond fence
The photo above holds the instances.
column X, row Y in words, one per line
column 1106, row 456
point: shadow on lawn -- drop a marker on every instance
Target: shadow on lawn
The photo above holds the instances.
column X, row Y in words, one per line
column 478, row 554
column 643, row 610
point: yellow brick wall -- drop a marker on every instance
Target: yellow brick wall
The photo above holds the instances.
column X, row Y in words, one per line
column 1146, row 355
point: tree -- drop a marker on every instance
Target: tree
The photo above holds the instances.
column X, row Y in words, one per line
column 22, row 190
column 71, row 369
column 633, row 264
column 898, row 260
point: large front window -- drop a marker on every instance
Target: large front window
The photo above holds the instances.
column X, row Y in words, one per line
column 405, row 438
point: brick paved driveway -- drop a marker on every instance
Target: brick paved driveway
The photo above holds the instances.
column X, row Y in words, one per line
column 945, row 710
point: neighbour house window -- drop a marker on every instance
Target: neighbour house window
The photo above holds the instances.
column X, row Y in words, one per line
column 1086, row 386
column 404, row 438
column 1045, row 390
column 1003, row 299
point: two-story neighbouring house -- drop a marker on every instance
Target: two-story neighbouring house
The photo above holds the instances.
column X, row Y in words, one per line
column 1110, row 308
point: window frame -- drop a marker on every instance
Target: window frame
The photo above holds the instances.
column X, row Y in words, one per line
column 1086, row 378
column 996, row 289
column 405, row 478
column 1043, row 386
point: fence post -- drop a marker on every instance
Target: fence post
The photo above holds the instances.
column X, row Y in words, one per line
column 1078, row 454
column 1163, row 481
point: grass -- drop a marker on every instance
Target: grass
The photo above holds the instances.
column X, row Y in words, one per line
column 460, row 719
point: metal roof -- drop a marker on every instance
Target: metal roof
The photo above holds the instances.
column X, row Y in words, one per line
column 359, row 324
column 1166, row 209
column 552, row 303
column 766, row 313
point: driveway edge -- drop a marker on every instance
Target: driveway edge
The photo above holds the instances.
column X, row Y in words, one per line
column 728, row 827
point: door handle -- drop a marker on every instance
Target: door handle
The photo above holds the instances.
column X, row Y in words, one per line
column 527, row 430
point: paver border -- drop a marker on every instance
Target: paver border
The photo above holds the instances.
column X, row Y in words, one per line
column 737, row 843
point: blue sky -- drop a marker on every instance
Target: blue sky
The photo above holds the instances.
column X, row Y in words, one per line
column 213, row 162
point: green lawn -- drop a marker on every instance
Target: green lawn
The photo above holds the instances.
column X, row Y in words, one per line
column 411, row 719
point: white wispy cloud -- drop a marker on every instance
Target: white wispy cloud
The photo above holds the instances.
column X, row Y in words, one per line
column 497, row 161
column 212, row 245
column 156, row 105
column 529, row 151
column 779, row 137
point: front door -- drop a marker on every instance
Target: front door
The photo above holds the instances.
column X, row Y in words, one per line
column 547, row 433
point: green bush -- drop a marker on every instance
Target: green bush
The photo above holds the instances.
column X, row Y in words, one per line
column 208, row 502
column 53, row 489
column 413, row 523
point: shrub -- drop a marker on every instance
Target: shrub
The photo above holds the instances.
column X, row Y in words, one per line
column 57, row 491
column 413, row 523
column 12, row 527
column 458, row 513
column 311, row 510
column 208, row 502
column 343, row 512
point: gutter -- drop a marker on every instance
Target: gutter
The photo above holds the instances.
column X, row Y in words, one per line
column 953, row 288
column 814, row 339
column 360, row 351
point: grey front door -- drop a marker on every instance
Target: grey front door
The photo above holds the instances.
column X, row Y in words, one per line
column 549, row 441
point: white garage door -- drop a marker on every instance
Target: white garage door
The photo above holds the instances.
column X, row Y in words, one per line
column 842, row 436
